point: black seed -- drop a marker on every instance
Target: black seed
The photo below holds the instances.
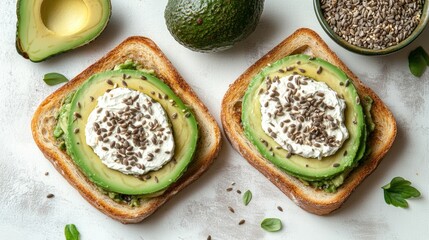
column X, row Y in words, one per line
column 76, row 130
column 124, row 83
column 280, row 208
column 242, row 221
column 347, row 83
column 143, row 78
column 231, row 209
column 229, row 189
column 336, row 165
column 109, row 82
column 50, row 195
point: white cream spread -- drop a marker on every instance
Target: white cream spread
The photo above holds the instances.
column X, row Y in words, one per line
column 304, row 116
column 130, row 132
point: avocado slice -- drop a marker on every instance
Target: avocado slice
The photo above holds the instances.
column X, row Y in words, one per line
column 49, row 27
column 210, row 26
column 183, row 122
column 307, row 169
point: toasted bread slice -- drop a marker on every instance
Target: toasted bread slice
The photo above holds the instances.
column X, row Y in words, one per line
column 312, row 200
column 144, row 51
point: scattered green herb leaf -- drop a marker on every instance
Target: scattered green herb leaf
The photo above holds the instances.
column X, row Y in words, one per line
column 418, row 60
column 71, row 232
column 247, row 197
column 54, row 78
column 397, row 191
column 271, row 224
column 424, row 54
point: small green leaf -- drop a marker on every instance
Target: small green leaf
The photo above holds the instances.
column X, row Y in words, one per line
column 247, row 197
column 71, row 232
column 418, row 61
column 424, row 54
column 54, row 78
column 271, row 224
column 397, row 191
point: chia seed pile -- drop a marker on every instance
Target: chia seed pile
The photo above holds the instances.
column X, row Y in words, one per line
column 372, row 24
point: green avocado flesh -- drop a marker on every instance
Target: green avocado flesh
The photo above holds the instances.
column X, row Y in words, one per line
column 209, row 26
column 50, row 27
column 329, row 172
column 84, row 100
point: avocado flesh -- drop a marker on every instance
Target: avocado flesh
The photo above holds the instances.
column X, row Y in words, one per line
column 185, row 133
column 50, row 27
column 307, row 169
column 210, row 26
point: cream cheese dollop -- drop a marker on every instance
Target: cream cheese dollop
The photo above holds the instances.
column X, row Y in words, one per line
column 304, row 116
column 130, row 132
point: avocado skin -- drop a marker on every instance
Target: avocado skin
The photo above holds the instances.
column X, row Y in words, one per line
column 212, row 25
column 185, row 132
column 22, row 49
column 318, row 174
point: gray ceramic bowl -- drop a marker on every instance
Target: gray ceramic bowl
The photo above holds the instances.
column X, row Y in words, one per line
column 366, row 51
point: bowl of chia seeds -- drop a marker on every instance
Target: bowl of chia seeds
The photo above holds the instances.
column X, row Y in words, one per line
column 372, row 27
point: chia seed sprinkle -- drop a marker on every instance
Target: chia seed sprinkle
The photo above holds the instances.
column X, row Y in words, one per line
column 128, row 136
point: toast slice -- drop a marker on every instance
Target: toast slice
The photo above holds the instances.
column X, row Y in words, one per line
column 147, row 53
column 315, row 201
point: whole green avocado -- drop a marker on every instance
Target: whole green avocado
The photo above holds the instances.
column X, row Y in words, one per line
column 212, row 25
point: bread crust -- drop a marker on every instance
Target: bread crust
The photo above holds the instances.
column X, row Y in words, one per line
column 146, row 52
column 312, row 200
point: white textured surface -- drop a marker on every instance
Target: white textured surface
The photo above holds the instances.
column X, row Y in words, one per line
column 201, row 209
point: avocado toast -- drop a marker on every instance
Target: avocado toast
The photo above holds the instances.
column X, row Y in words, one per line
column 318, row 132
column 128, row 157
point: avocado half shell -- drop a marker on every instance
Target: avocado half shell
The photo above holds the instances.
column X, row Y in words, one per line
column 49, row 27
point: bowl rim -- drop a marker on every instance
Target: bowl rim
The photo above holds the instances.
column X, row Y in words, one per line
column 424, row 19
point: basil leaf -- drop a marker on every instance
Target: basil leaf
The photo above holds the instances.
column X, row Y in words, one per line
column 71, row 232
column 247, row 197
column 397, row 191
column 418, row 61
column 271, row 224
column 54, row 78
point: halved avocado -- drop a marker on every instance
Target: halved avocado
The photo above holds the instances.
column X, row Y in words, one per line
column 49, row 27
column 184, row 128
column 307, row 168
